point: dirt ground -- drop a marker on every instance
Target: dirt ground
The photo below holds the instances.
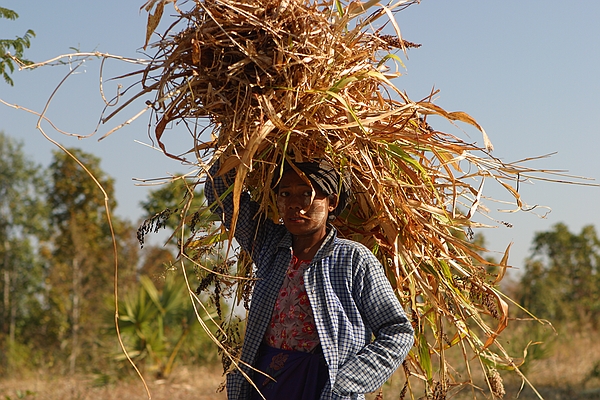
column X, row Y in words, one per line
column 201, row 384
column 572, row 372
column 198, row 383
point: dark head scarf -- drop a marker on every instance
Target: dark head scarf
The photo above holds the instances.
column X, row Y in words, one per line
column 323, row 176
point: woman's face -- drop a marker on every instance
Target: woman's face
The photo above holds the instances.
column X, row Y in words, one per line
column 303, row 214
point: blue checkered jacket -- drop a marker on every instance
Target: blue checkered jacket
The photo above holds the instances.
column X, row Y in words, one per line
column 351, row 298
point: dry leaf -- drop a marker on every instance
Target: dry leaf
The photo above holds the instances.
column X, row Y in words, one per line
column 153, row 20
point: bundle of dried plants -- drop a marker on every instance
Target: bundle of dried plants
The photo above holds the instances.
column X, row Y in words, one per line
column 304, row 80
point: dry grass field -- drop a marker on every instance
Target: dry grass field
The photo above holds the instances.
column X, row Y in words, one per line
column 197, row 383
column 570, row 372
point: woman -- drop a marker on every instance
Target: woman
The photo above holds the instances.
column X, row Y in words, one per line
column 318, row 299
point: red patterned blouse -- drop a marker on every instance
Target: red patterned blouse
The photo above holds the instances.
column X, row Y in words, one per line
column 292, row 324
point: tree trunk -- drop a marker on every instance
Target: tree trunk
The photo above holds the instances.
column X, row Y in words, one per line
column 6, row 295
column 13, row 322
column 6, row 302
column 76, row 286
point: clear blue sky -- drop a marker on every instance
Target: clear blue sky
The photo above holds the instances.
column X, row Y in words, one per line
column 528, row 71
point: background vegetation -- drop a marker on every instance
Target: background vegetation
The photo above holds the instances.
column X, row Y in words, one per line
column 57, row 267
column 57, row 300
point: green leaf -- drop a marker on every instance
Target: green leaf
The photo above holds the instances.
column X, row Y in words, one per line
column 152, row 292
column 397, row 151
column 343, row 82
column 445, row 268
column 348, row 108
column 339, row 7
column 8, row 14
column 425, row 357
column 391, row 56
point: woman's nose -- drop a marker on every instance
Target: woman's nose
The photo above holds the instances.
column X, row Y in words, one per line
column 298, row 202
column 294, row 202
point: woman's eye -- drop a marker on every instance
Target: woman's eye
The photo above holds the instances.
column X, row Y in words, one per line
column 308, row 193
column 283, row 194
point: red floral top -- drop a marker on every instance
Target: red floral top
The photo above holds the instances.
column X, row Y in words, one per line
column 292, row 324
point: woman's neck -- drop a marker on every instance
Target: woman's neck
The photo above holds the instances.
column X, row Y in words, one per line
column 305, row 248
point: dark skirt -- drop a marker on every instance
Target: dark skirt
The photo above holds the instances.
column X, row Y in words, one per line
column 295, row 375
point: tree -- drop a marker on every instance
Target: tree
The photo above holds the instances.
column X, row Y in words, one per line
column 81, row 264
column 18, row 45
column 22, row 225
column 561, row 281
column 160, row 211
column 171, row 199
column 157, row 319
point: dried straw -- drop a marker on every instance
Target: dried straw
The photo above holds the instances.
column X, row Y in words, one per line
column 304, row 80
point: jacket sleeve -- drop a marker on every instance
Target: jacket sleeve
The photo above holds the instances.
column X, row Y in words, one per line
column 220, row 199
column 382, row 312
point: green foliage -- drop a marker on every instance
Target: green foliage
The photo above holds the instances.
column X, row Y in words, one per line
column 81, row 254
column 529, row 342
column 56, row 274
column 23, row 217
column 165, row 203
column 73, row 191
column 159, row 326
column 207, row 263
column 8, row 14
column 18, row 45
column 22, row 183
column 561, row 281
